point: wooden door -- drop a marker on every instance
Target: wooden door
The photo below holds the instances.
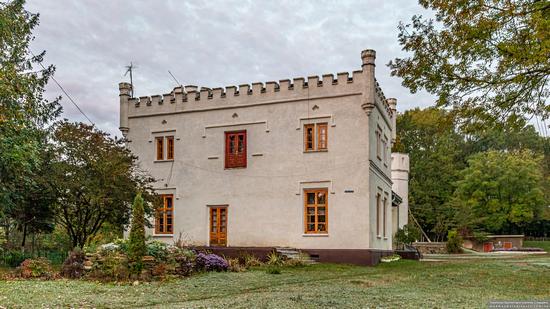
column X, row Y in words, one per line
column 507, row 245
column 218, row 226
column 488, row 247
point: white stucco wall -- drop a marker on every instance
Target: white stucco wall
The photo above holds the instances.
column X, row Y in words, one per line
column 265, row 200
column 400, row 176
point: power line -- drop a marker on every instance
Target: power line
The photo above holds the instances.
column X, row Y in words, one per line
column 65, row 92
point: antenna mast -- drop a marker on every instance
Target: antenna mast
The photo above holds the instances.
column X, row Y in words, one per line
column 129, row 69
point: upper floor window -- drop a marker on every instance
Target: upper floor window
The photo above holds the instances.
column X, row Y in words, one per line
column 378, row 203
column 379, row 143
column 385, row 149
column 162, row 153
column 316, row 137
column 235, row 149
column 164, row 215
column 316, row 211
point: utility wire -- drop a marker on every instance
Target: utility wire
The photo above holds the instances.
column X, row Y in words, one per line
column 65, row 92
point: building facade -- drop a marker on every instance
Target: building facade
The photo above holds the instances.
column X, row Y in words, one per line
column 302, row 163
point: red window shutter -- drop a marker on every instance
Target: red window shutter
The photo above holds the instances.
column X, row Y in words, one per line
column 235, row 149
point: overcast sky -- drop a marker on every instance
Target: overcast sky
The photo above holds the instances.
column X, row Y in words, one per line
column 211, row 44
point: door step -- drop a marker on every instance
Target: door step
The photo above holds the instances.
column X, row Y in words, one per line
column 295, row 254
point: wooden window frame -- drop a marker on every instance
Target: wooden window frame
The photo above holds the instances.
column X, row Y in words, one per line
column 315, row 137
column 163, row 229
column 316, row 206
column 159, row 148
column 169, row 147
column 318, row 127
column 308, row 126
column 228, row 163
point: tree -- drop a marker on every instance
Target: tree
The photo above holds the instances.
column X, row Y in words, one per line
column 98, row 178
column 136, row 242
column 24, row 118
column 500, row 192
column 489, row 59
column 435, row 148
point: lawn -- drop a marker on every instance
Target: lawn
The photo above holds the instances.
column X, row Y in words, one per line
column 405, row 284
column 545, row 245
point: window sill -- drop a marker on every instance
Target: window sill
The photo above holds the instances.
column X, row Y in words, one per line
column 235, row 168
column 163, row 235
column 309, row 151
column 160, row 161
column 315, row 235
column 379, row 237
column 385, row 238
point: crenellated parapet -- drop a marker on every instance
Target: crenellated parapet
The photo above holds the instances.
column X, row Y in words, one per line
column 191, row 97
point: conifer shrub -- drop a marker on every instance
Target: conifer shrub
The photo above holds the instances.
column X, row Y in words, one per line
column 136, row 242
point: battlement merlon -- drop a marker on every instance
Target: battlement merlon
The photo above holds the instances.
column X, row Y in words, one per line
column 190, row 98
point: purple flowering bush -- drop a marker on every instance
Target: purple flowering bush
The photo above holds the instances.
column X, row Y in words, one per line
column 210, row 262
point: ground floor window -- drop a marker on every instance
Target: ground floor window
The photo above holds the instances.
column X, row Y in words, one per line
column 316, row 211
column 164, row 218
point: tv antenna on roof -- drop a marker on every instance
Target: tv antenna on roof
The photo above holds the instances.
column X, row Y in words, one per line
column 129, row 69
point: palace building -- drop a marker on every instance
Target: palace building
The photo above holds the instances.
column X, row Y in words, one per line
column 302, row 163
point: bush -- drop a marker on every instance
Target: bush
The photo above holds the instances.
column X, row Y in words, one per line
column 407, row 235
column 185, row 260
column 136, row 242
column 275, row 259
column 249, row 260
column 234, row 265
column 73, row 267
column 112, row 266
column 210, row 262
column 454, row 242
column 36, row 268
column 158, row 250
column 14, row 258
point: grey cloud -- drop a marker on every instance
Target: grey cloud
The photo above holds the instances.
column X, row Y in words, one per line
column 211, row 43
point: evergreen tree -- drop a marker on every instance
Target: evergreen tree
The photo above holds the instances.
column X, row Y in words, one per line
column 136, row 242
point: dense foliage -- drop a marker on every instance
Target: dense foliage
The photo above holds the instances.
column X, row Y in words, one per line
column 480, row 56
column 25, row 191
column 500, row 191
column 440, row 149
column 99, row 179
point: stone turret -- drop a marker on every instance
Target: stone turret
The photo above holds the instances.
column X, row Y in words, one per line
column 125, row 90
column 369, row 56
column 400, row 179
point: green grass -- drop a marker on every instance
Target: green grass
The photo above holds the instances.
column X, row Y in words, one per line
column 537, row 244
column 404, row 284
